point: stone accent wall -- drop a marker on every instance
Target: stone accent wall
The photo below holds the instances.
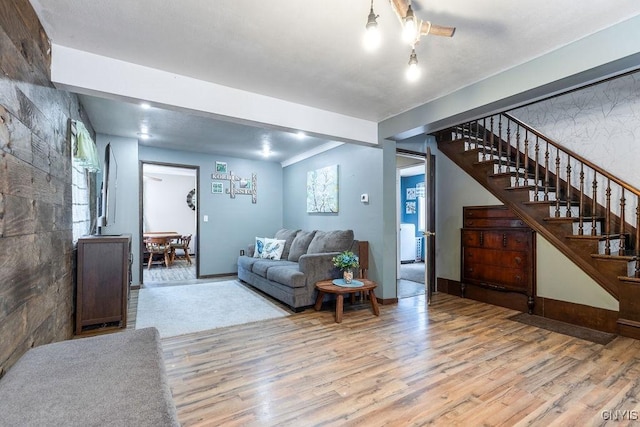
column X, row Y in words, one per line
column 36, row 249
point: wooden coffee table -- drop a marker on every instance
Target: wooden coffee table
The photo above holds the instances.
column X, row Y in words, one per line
column 327, row 287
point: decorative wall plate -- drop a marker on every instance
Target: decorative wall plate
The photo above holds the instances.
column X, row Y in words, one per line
column 192, row 199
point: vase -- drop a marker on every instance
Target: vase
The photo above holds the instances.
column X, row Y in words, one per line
column 347, row 275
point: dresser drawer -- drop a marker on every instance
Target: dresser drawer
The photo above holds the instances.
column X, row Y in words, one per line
column 505, row 239
column 490, row 216
column 496, row 257
column 498, row 277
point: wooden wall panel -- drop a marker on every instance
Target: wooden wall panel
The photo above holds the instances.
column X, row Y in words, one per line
column 36, row 261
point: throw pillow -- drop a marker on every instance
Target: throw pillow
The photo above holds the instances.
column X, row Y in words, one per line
column 288, row 236
column 273, row 249
column 331, row 241
column 300, row 244
column 257, row 252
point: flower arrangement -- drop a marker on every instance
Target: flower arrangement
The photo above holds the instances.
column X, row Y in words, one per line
column 346, row 260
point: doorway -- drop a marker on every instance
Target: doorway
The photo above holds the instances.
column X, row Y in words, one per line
column 169, row 223
column 416, row 219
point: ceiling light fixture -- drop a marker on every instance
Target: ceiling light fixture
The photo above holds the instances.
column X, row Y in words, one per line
column 266, row 150
column 145, row 106
column 413, row 72
column 372, row 35
column 412, row 29
column 144, row 136
column 301, row 134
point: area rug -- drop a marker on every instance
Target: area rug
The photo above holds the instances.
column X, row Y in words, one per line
column 413, row 271
column 575, row 331
column 178, row 310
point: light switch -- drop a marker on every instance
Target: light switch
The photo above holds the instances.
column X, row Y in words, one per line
column 364, row 198
column 205, row 218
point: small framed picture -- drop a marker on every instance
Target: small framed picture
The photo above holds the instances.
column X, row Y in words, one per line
column 217, row 187
column 411, row 193
column 410, row 208
column 221, row 167
column 245, row 183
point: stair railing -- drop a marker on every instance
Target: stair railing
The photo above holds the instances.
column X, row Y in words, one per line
column 611, row 198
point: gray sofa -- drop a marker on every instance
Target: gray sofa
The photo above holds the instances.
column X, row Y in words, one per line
column 305, row 260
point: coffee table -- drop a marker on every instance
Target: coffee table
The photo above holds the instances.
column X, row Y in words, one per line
column 327, row 287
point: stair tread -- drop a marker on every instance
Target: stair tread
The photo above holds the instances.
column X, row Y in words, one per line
column 626, row 258
column 599, row 237
column 572, row 218
column 629, row 279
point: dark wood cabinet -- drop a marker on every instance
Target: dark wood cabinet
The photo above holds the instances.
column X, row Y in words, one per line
column 103, row 278
column 498, row 254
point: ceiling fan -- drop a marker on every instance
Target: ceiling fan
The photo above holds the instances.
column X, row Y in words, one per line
column 404, row 12
column 412, row 29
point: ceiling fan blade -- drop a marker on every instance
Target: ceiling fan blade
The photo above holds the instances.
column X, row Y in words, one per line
column 400, row 8
column 436, row 30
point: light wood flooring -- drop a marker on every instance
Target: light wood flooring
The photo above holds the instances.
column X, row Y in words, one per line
column 457, row 362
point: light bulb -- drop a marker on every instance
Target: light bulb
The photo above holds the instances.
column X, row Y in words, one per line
column 372, row 39
column 409, row 28
column 413, row 72
column 372, row 35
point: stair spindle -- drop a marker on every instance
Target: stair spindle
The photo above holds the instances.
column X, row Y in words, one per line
column 581, row 205
column 637, row 243
column 491, row 139
column 537, row 171
column 518, row 156
column 500, row 144
column 484, row 139
column 546, row 173
column 607, row 216
column 594, row 198
column 508, row 150
column 557, row 183
column 526, row 157
column 623, row 203
column 568, row 187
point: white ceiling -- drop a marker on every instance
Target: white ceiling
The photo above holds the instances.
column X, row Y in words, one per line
column 310, row 53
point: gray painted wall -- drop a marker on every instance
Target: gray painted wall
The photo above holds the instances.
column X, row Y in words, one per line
column 360, row 170
column 233, row 223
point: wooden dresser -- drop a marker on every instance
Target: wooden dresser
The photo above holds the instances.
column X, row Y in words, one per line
column 499, row 256
column 103, row 278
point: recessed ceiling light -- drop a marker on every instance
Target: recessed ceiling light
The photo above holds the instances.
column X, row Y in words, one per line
column 301, row 134
column 145, row 106
column 144, row 135
column 266, row 150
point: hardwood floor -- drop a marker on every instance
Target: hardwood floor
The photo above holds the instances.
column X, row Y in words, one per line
column 457, row 362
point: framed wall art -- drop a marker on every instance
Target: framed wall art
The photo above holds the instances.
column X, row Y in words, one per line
column 322, row 190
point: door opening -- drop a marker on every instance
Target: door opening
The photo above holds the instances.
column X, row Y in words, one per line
column 168, row 223
column 416, row 219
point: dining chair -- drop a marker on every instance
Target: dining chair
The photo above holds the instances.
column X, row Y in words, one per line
column 180, row 248
column 158, row 246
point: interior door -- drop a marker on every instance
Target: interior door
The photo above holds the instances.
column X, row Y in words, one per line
column 429, row 225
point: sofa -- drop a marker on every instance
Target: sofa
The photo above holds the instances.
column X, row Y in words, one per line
column 117, row 379
column 306, row 258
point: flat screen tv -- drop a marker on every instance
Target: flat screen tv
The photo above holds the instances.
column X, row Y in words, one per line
column 107, row 196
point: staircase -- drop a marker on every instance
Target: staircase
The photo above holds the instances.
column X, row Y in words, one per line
column 587, row 213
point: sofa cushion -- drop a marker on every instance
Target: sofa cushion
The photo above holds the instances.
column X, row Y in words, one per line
column 247, row 262
column 331, row 241
column 300, row 244
column 272, row 249
column 288, row 236
column 261, row 266
column 287, row 275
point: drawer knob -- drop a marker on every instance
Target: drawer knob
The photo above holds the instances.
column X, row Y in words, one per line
column 518, row 260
